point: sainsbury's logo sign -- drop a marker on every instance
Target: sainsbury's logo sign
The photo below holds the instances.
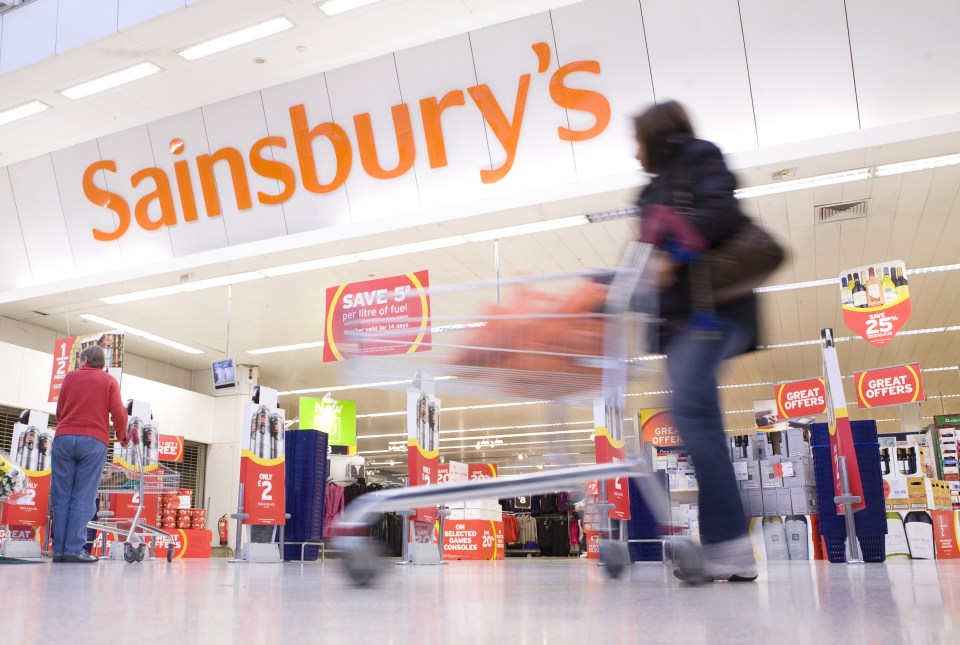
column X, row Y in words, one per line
column 155, row 207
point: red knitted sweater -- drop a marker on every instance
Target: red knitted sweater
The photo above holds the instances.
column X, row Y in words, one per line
column 88, row 399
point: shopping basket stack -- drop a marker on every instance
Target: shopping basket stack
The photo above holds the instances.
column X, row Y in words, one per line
column 306, row 475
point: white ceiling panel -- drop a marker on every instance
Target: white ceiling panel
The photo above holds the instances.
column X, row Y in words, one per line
column 83, row 21
column 13, row 252
column 133, row 12
column 29, row 35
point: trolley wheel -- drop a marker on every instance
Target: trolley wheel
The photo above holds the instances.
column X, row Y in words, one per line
column 360, row 560
column 129, row 553
column 169, row 553
column 616, row 556
column 141, row 552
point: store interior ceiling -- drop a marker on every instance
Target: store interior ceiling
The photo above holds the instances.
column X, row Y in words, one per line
column 914, row 217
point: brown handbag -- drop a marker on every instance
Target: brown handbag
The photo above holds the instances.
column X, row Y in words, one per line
column 742, row 263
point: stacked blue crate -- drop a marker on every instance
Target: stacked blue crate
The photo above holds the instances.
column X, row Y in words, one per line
column 643, row 526
column 306, row 475
column 871, row 522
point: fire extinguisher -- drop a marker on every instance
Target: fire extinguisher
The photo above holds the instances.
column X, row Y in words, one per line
column 222, row 527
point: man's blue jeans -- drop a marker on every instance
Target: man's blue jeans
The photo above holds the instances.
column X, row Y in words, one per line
column 693, row 358
column 77, row 465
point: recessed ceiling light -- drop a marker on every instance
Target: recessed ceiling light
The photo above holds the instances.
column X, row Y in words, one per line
column 333, row 7
column 235, row 278
column 285, row 348
column 112, row 324
column 110, row 81
column 800, row 184
column 22, row 111
column 236, row 38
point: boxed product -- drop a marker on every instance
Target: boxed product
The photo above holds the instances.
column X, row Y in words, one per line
column 755, row 502
column 784, row 501
column 798, row 442
column 803, row 500
column 917, row 492
column 768, row 473
column 771, row 502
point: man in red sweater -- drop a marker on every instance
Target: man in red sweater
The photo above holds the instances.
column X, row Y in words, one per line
column 88, row 400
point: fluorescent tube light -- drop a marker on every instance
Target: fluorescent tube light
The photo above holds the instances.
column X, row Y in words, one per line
column 285, row 348
column 524, row 229
column 111, row 324
column 414, row 247
column 22, row 111
column 140, row 295
column 802, row 184
column 333, row 7
column 310, row 265
column 110, row 81
column 886, row 170
column 235, row 278
column 236, row 38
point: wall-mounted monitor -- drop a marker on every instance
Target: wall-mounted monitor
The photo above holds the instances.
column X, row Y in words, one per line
column 224, row 374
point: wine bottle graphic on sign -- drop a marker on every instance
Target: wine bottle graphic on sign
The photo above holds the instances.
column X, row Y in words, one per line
column 903, row 290
column 874, row 290
column 859, row 292
column 846, row 293
column 919, row 528
column 896, row 541
column 889, row 289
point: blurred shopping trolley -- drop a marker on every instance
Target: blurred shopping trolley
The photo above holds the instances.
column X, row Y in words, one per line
column 568, row 339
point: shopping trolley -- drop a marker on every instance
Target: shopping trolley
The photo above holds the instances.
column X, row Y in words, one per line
column 566, row 338
column 135, row 478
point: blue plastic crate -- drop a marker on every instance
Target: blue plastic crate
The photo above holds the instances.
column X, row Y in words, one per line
column 863, row 432
column 872, row 547
column 872, row 519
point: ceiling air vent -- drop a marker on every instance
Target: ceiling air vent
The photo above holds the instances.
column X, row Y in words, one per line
column 841, row 212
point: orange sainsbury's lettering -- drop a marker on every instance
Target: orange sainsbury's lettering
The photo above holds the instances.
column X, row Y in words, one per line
column 158, row 208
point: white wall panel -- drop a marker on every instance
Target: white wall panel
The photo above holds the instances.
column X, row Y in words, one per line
column 30, row 35
column 131, row 151
column 239, row 123
column 82, row 216
column 451, row 68
column 41, row 219
column 372, row 87
column 84, row 21
column 503, row 54
column 905, row 56
column 801, row 74
column 610, row 32
column 697, row 57
column 136, row 11
column 305, row 211
column 205, row 232
column 14, row 266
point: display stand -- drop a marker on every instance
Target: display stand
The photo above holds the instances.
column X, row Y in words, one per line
column 31, row 445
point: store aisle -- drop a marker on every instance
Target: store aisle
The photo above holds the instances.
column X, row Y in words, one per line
column 526, row 601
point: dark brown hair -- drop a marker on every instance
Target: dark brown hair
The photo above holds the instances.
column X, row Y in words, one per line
column 654, row 126
column 92, row 356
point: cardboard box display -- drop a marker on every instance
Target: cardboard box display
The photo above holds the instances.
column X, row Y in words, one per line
column 755, row 502
column 917, row 492
column 753, row 476
column 771, row 503
column 768, row 476
column 798, row 442
column 784, row 502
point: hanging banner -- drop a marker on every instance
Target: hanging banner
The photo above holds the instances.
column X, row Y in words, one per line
column 66, row 357
column 262, row 468
column 378, row 317
column 897, row 385
column 801, row 398
column 610, row 447
column 876, row 301
column 656, row 428
column 423, row 444
column 337, row 418
column 170, row 448
column 32, row 449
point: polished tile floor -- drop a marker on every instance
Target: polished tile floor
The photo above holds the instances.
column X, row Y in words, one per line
column 515, row 601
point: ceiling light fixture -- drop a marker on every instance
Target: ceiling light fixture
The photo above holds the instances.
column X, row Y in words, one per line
column 311, row 265
column 929, row 163
column 791, row 185
column 285, row 348
column 525, row 229
column 333, row 7
column 222, row 281
column 111, row 324
column 140, row 295
column 236, row 38
column 110, row 81
column 22, row 111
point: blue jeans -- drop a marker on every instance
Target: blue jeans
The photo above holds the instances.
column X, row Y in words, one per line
column 77, row 464
column 693, row 358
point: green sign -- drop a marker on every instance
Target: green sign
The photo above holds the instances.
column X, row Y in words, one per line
column 947, row 420
column 337, row 418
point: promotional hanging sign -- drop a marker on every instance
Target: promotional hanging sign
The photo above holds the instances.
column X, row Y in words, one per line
column 482, row 471
column 262, row 469
column 875, row 300
column 66, row 357
column 423, row 442
column 610, row 447
column 32, row 450
column 898, row 385
column 801, row 398
column 337, row 418
column 170, row 448
column 656, row 428
column 378, row 317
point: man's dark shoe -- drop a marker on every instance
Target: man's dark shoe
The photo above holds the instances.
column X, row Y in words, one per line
column 84, row 558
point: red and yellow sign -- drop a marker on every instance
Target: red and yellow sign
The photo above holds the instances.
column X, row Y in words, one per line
column 30, row 508
column 124, row 507
column 656, row 427
column 801, row 398
column 423, row 446
column 482, row 471
column 170, row 447
column 378, row 317
column 187, row 543
column 897, row 385
column 472, row 540
column 262, row 460
column 31, row 450
column 876, row 301
column 946, row 534
column 63, row 352
column 610, row 447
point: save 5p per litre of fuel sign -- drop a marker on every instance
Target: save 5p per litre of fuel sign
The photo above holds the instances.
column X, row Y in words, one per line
column 897, row 385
